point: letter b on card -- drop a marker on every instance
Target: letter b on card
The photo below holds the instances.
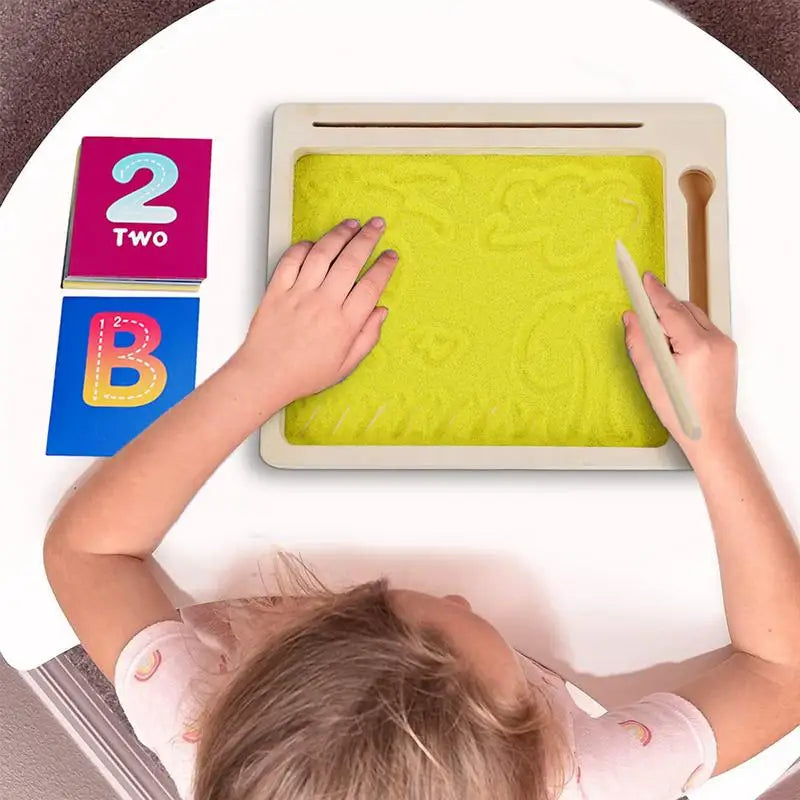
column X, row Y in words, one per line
column 121, row 363
column 104, row 355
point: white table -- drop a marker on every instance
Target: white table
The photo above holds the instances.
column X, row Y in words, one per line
column 560, row 562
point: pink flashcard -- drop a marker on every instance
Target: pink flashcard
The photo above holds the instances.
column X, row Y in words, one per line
column 140, row 210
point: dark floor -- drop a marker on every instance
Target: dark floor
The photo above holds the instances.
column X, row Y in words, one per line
column 52, row 50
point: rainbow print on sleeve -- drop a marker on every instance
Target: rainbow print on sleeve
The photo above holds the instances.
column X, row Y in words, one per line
column 639, row 731
column 148, row 666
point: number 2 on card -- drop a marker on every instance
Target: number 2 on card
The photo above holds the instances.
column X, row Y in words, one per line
column 131, row 207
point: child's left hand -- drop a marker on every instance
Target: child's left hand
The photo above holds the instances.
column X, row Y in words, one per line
column 316, row 321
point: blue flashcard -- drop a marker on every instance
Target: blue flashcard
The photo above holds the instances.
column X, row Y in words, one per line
column 121, row 363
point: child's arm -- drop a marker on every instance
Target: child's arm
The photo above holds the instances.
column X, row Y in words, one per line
column 753, row 698
column 311, row 330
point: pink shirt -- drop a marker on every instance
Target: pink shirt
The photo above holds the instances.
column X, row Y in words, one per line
column 654, row 749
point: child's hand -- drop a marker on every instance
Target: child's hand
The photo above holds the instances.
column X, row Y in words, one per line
column 705, row 356
column 316, row 323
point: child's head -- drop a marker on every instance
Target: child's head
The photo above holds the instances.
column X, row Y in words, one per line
column 380, row 694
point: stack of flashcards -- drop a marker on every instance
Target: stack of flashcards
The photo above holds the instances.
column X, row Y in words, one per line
column 139, row 215
column 139, row 221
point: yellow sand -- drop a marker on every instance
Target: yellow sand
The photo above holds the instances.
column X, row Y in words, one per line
column 504, row 324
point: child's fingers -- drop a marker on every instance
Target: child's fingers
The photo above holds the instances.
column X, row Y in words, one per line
column 676, row 320
column 636, row 343
column 367, row 338
column 321, row 256
column 702, row 318
column 289, row 265
column 344, row 271
column 633, row 331
column 366, row 293
column 645, row 366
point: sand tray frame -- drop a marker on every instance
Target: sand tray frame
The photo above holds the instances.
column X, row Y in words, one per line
column 688, row 139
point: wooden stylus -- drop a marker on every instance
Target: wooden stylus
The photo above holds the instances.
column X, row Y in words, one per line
column 657, row 343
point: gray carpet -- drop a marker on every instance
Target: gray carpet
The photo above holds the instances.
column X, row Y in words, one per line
column 51, row 51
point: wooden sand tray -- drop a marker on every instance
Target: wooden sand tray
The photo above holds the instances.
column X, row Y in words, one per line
column 504, row 347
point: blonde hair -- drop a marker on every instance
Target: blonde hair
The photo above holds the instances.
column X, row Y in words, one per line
column 349, row 702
